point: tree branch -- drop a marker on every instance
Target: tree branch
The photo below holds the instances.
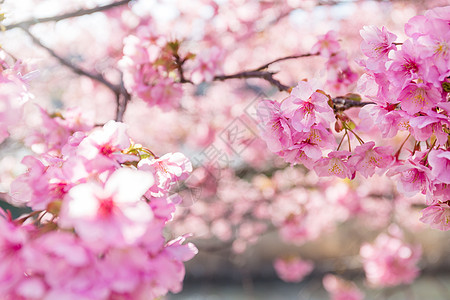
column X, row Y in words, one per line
column 122, row 101
column 285, row 58
column 340, row 103
column 266, row 75
column 343, row 103
column 76, row 69
column 78, row 13
column 122, row 95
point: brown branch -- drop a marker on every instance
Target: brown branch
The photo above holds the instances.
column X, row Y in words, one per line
column 78, row 13
column 285, row 58
column 76, row 69
column 122, row 95
column 339, row 103
column 342, row 103
column 122, row 101
column 266, row 75
column 179, row 63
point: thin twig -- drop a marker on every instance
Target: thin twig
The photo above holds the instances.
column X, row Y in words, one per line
column 78, row 70
column 78, row 13
column 285, row 58
column 122, row 95
column 342, row 103
column 266, row 75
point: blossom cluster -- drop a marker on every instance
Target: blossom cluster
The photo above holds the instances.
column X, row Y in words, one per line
column 390, row 261
column 292, row 269
column 13, row 95
column 339, row 73
column 100, row 205
column 408, row 83
column 408, row 90
column 149, row 68
column 299, row 130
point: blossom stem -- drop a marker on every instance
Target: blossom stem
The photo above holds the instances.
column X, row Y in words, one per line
column 32, row 214
column 429, row 150
column 401, row 146
column 343, row 137
column 349, row 144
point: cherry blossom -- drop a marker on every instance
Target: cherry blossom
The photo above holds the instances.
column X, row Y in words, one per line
column 367, row 158
column 305, row 106
column 292, row 269
column 437, row 216
column 390, row 261
column 439, row 161
column 377, row 44
column 112, row 215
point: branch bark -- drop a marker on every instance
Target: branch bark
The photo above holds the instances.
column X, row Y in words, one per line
column 78, row 13
column 76, row 69
column 266, row 75
column 122, row 95
column 342, row 103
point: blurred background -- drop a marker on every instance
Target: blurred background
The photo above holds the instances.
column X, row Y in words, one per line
column 244, row 206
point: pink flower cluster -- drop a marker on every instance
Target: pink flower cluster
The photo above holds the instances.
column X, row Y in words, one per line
column 339, row 73
column 298, row 130
column 148, row 68
column 390, row 261
column 206, row 65
column 407, row 84
column 101, row 205
column 292, row 269
column 13, row 95
column 55, row 130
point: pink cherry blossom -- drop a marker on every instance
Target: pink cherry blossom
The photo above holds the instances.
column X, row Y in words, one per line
column 276, row 130
column 103, row 146
column 389, row 261
column 305, row 107
column 167, row 170
column 376, row 45
column 206, row 65
column 146, row 64
column 327, row 44
column 406, row 65
column 413, row 176
column 292, row 269
column 437, row 216
column 13, row 244
column 112, row 215
column 13, row 95
column 339, row 74
column 31, row 188
column 439, row 161
column 419, row 97
column 304, row 153
column 56, row 129
column 424, row 126
column 321, row 137
column 340, row 289
column 367, row 158
column 336, row 164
